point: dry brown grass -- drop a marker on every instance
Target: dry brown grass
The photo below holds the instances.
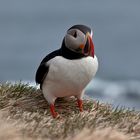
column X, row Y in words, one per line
column 103, row 134
column 25, row 115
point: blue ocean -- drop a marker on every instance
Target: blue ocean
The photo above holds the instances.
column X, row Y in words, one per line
column 31, row 29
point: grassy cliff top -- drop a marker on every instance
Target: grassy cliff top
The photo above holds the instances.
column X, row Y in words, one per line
column 25, row 114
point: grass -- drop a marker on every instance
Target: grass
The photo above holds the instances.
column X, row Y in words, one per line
column 24, row 114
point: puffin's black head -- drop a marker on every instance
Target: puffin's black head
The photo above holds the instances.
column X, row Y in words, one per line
column 79, row 39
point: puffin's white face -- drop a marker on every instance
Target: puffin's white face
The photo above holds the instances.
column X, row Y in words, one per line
column 78, row 42
column 74, row 38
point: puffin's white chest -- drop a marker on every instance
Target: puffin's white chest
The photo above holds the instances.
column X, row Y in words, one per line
column 69, row 77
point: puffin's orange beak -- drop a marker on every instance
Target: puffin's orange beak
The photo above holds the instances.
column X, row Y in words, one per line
column 82, row 46
column 88, row 48
column 91, row 46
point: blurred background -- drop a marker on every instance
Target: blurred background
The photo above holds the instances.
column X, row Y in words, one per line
column 31, row 29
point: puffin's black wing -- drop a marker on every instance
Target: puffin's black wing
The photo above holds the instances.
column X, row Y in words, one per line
column 43, row 68
column 41, row 73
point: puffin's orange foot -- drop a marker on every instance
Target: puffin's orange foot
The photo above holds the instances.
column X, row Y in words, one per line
column 52, row 109
column 80, row 104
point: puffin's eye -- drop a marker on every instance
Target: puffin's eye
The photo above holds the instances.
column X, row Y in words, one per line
column 75, row 35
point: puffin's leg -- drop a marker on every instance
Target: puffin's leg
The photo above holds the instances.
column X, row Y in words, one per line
column 52, row 110
column 80, row 101
column 80, row 104
column 51, row 100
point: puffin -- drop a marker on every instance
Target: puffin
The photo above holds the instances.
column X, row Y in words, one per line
column 68, row 70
